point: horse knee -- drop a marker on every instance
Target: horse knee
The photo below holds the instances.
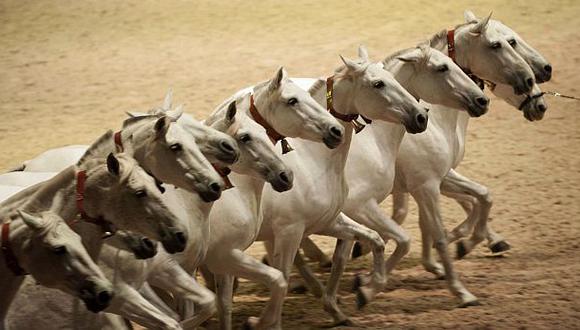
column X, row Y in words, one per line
column 404, row 244
column 278, row 282
column 377, row 241
column 208, row 303
column 399, row 214
column 485, row 197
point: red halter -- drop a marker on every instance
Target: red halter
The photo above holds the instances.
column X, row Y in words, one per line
column 346, row 118
column 9, row 256
column 272, row 133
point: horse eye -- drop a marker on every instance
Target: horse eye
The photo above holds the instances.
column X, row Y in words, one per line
column 176, row 147
column 443, row 68
column 513, row 42
column 496, row 45
column 245, row 138
column 292, row 101
column 378, row 84
column 141, row 193
column 59, row 250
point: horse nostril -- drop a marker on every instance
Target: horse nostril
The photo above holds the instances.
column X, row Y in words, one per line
column 548, row 68
column 284, row 177
column 421, row 119
column 482, row 101
column 104, row 297
column 215, row 187
column 542, row 108
column 180, row 236
column 227, row 147
column 336, row 132
column 148, row 243
column 530, row 82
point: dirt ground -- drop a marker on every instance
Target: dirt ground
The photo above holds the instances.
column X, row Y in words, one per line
column 69, row 69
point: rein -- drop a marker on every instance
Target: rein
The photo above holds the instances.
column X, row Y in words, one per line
column 107, row 227
column 352, row 118
column 272, row 133
column 9, row 256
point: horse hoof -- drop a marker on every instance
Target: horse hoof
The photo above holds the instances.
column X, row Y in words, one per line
column 265, row 261
column 250, row 323
column 235, row 285
column 343, row 323
column 461, row 250
column 357, row 282
column 500, row 247
column 357, row 250
column 361, row 300
column 299, row 289
column 470, row 304
column 326, row 264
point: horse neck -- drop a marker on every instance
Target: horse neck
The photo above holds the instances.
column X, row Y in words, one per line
column 141, row 133
column 390, row 135
column 56, row 194
column 334, row 158
column 250, row 191
column 451, row 120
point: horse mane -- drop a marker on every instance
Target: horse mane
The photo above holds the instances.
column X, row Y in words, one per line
column 132, row 121
column 441, row 36
column 396, row 54
column 318, row 84
column 99, row 149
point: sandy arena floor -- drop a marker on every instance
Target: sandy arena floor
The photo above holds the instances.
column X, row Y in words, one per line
column 69, row 70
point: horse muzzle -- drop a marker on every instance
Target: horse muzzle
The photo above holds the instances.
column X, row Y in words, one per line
column 96, row 297
column 174, row 240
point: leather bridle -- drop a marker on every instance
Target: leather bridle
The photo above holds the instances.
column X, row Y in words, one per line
column 272, row 133
column 348, row 118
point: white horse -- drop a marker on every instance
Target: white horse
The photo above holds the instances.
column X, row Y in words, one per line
column 474, row 197
column 320, row 189
column 45, row 247
column 424, row 160
column 428, row 75
column 112, row 193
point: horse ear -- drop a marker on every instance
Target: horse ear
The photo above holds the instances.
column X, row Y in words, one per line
column 35, row 223
column 469, row 16
column 133, row 114
column 363, row 53
column 176, row 113
column 161, row 126
column 413, row 56
column 113, row 165
column 276, row 82
column 231, row 114
column 167, row 102
column 351, row 65
column 480, row 26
